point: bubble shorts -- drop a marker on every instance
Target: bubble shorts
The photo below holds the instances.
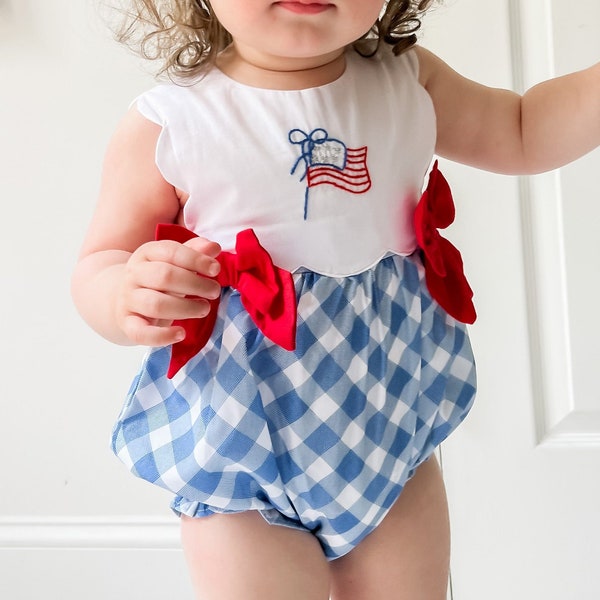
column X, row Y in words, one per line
column 322, row 438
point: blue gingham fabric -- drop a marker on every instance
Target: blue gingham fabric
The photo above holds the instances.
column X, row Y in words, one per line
column 323, row 438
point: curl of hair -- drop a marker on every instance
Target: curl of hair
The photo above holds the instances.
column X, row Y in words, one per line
column 397, row 27
column 186, row 37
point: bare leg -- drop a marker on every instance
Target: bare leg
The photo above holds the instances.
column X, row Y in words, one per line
column 238, row 556
column 407, row 556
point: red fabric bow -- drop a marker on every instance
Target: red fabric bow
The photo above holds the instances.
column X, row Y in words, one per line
column 267, row 293
column 444, row 274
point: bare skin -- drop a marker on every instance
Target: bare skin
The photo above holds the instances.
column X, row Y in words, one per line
column 408, row 556
column 405, row 558
column 552, row 124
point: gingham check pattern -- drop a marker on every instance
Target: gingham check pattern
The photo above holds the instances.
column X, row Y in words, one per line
column 323, row 438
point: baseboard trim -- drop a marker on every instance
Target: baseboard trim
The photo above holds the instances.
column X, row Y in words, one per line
column 100, row 532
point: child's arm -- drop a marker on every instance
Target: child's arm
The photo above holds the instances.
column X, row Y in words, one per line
column 552, row 124
column 128, row 287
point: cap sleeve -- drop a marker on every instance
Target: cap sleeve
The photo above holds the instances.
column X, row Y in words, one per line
column 158, row 105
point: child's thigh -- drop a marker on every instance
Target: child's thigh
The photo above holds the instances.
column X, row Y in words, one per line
column 407, row 557
column 237, row 556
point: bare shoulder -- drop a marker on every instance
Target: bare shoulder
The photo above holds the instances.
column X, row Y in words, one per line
column 431, row 67
column 437, row 77
column 476, row 124
column 134, row 195
column 133, row 144
column 427, row 64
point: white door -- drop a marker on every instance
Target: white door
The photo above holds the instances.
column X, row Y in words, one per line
column 521, row 472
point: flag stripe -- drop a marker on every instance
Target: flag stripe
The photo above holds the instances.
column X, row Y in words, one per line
column 354, row 177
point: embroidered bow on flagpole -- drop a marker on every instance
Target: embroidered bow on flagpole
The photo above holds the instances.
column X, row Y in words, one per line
column 267, row 293
column 443, row 264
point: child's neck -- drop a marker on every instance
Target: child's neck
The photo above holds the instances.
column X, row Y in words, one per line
column 281, row 75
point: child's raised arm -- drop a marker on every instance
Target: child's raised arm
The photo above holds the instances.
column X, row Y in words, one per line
column 128, row 287
column 552, row 124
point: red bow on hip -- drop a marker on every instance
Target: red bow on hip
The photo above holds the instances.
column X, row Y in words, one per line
column 444, row 274
column 267, row 293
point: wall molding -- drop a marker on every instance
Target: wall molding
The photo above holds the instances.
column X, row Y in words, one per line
column 93, row 532
column 558, row 421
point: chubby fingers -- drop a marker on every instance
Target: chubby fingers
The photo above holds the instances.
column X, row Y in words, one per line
column 175, row 269
column 197, row 255
column 167, row 281
column 141, row 331
column 204, row 246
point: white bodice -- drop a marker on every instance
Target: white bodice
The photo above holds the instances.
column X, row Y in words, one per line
column 327, row 177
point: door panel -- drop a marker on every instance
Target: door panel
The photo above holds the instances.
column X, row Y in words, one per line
column 522, row 471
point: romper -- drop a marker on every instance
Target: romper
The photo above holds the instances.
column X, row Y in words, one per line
column 325, row 436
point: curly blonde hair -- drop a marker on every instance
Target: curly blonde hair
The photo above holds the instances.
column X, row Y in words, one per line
column 186, row 37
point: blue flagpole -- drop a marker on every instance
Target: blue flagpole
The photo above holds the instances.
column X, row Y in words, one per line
column 306, row 202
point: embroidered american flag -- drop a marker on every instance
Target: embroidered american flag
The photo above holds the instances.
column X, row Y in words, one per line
column 352, row 177
column 329, row 161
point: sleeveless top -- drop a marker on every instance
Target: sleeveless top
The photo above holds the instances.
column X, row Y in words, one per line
column 340, row 166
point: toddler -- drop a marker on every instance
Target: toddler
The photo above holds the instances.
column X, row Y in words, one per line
column 262, row 227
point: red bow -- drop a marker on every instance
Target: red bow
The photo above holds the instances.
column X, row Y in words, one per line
column 444, row 274
column 267, row 293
